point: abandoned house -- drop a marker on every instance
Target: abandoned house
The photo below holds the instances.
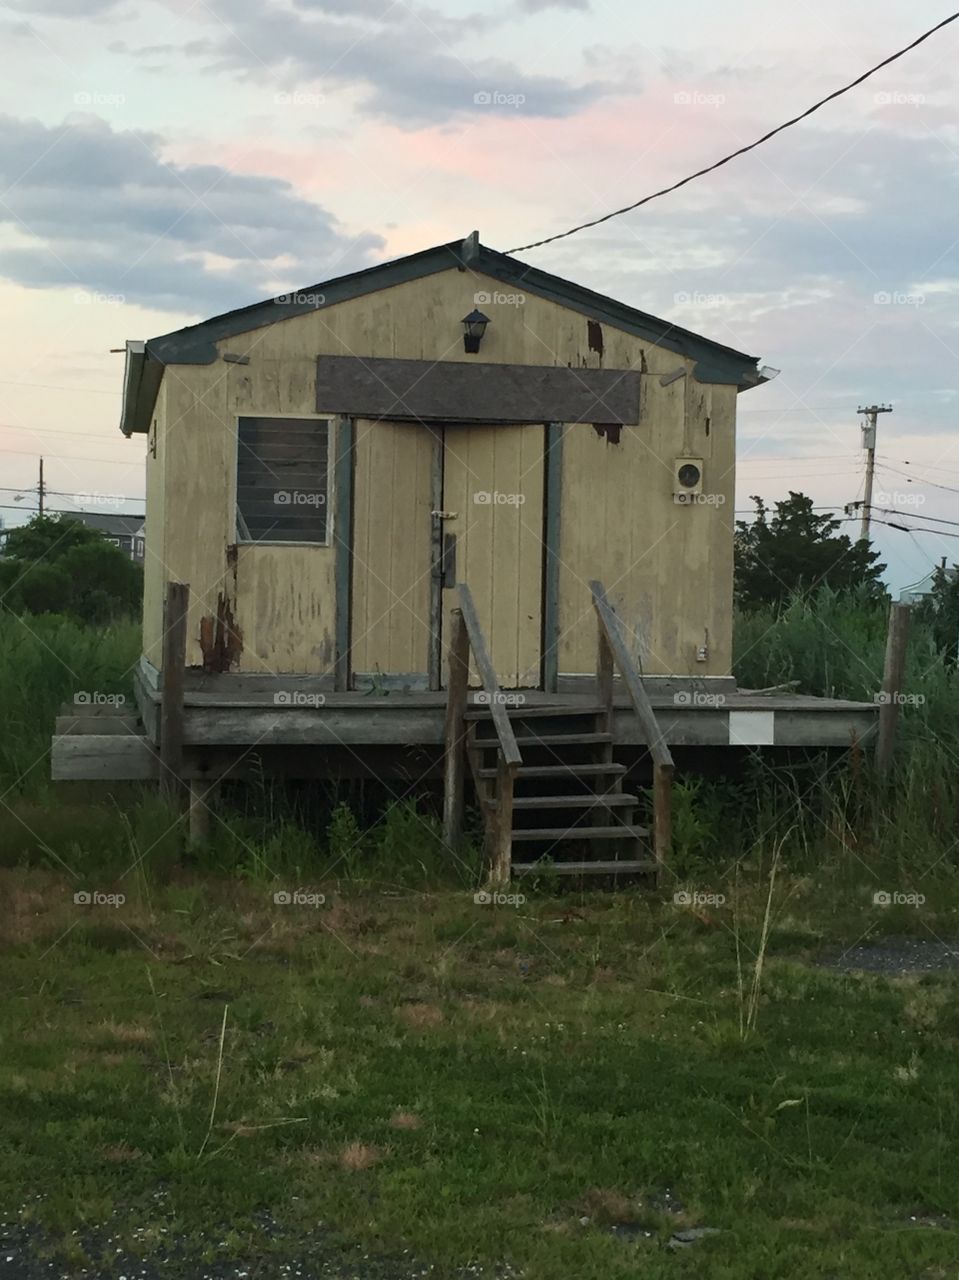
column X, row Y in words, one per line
column 450, row 513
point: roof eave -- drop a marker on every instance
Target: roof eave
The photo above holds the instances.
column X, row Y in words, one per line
column 141, row 382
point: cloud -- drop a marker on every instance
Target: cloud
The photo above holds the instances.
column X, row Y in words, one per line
column 63, row 8
column 411, row 65
column 102, row 211
column 537, row 6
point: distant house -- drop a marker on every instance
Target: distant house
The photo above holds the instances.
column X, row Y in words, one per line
column 126, row 532
column 918, row 591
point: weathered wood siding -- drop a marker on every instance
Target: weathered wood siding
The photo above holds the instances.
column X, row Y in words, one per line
column 619, row 523
column 391, row 551
column 667, row 568
column 499, row 550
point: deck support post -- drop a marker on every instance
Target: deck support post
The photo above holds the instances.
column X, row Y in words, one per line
column 454, row 760
column 203, row 793
column 171, row 683
column 892, row 675
column 500, row 829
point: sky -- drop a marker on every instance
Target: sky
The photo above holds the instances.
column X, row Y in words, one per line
column 165, row 160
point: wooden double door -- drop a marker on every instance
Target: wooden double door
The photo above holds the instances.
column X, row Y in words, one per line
column 434, row 506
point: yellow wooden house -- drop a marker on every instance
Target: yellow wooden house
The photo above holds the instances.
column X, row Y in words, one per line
column 326, row 468
column 451, row 517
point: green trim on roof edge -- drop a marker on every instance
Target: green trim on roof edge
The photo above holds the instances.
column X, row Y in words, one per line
column 197, row 344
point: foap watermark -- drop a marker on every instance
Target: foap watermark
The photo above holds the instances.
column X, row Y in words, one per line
column 94, row 698
column 85, row 298
column 300, row 300
column 896, row 898
column 895, row 498
column 298, row 698
column 698, row 698
column 299, row 98
column 99, row 499
column 500, row 699
column 96, row 898
column 298, row 498
column 97, row 98
column 498, row 299
column 685, row 299
column 493, row 898
column 697, row 898
column 898, row 98
column 496, row 98
column 696, row 98
column 898, row 298
column 493, row 498
column 884, row 699
column 683, row 499
column 298, row 898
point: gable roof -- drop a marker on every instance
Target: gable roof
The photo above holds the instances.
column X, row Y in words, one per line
column 116, row 525
column 196, row 344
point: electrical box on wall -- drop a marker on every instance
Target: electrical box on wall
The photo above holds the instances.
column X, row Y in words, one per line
column 687, row 479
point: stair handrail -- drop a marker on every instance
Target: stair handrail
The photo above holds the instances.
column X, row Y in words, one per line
column 613, row 650
column 508, row 749
column 466, row 635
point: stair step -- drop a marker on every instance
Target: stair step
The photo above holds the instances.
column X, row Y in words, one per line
column 584, row 868
column 560, row 770
column 587, row 801
column 483, row 712
column 581, row 833
column 554, row 740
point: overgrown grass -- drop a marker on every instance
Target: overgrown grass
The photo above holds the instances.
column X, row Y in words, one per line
column 47, row 661
column 560, row 1088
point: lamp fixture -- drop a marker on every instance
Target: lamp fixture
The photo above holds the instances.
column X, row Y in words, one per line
column 474, row 326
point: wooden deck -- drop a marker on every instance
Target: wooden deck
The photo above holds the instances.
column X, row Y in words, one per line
column 226, row 717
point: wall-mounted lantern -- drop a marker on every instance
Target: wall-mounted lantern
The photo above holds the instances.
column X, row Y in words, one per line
column 474, row 326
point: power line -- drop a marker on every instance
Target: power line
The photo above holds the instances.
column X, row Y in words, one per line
column 891, row 511
column 50, row 386
column 907, row 528
column 75, row 457
column 742, row 150
column 952, row 471
column 63, row 431
column 912, row 479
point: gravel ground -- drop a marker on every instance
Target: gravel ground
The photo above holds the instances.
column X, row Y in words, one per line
column 28, row 1253
column 896, row 957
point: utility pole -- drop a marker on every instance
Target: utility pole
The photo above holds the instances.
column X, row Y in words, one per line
column 40, row 488
column 869, row 444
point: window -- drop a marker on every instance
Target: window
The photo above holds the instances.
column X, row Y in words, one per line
column 283, row 480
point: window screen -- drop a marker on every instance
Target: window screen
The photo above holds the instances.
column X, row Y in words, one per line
column 283, row 480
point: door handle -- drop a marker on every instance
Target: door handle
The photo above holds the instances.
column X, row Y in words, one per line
column 445, row 515
column 448, row 562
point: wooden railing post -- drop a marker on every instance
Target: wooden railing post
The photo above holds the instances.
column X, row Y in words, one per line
column 454, row 763
column 662, row 815
column 604, row 675
column 610, row 630
column 893, row 671
column 172, row 686
column 500, row 829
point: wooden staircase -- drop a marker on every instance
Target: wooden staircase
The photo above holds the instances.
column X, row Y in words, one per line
column 569, row 810
column 544, row 775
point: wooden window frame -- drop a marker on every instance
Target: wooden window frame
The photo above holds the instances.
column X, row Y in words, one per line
column 245, row 540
